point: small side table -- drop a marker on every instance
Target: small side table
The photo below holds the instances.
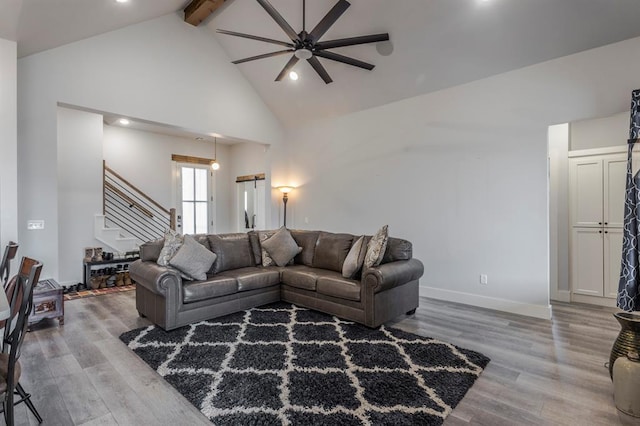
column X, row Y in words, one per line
column 48, row 302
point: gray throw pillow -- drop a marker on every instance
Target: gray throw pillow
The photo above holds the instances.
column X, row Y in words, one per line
column 172, row 242
column 355, row 259
column 376, row 247
column 281, row 247
column 193, row 259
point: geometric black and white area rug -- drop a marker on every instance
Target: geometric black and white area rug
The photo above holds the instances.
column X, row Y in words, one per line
column 280, row 364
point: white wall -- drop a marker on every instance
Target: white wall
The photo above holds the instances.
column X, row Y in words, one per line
column 600, row 132
column 79, row 189
column 144, row 159
column 559, row 212
column 462, row 173
column 162, row 70
column 8, row 144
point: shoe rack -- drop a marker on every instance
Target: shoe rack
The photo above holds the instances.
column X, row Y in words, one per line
column 109, row 271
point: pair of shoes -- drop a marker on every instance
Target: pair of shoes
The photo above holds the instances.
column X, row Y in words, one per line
column 70, row 289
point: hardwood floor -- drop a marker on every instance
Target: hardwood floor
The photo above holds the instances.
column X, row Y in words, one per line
column 541, row 372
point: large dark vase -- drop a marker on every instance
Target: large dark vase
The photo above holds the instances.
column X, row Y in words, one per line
column 628, row 339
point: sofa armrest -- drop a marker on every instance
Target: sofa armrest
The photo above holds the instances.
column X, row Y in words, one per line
column 392, row 274
column 154, row 277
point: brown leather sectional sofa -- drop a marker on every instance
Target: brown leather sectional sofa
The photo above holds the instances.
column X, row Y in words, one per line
column 238, row 281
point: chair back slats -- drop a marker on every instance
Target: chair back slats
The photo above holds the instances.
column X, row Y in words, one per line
column 21, row 305
column 5, row 267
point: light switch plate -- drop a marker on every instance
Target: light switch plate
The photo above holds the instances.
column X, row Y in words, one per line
column 35, row 224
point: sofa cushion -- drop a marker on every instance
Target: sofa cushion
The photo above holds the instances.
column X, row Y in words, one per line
column 215, row 286
column 331, row 250
column 397, row 249
column 281, row 247
column 307, row 240
column 256, row 249
column 355, row 259
column 193, row 259
column 376, row 247
column 338, row 286
column 150, row 251
column 233, row 251
column 300, row 276
column 251, row 278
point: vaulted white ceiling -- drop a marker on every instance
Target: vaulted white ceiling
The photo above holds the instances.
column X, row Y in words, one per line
column 436, row 43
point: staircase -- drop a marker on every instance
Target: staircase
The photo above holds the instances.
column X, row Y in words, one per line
column 113, row 237
column 130, row 217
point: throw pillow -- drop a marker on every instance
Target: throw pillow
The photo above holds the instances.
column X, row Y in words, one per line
column 172, row 242
column 266, row 259
column 354, row 260
column 193, row 259
column 376, row 247
column 281, row 247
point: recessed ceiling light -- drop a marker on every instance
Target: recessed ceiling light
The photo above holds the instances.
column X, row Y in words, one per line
column 293, row 75
column 124, row 121
column 122, row 1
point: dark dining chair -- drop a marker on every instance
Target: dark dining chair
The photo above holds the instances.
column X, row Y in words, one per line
column 19, row 292
column 5, row 267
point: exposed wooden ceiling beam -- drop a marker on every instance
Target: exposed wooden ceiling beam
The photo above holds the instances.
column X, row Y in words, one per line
column 199, row 10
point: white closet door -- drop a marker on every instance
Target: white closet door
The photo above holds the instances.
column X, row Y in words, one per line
column 612, row 261
column 586, row 195
column 614, row 169
column 587, row 267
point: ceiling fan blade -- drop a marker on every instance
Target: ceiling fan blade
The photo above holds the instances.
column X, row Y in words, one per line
column 266, row 55
column 352, row 41
column 292, row 62
column 315, row 63
column 329, row 19
column 279, row 19
column 343, row 59
column 252, row 37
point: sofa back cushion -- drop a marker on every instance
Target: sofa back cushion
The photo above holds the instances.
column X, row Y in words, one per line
column 254, row 240
column 150, row 251
column 233, row 251
column 397, row 249
column 331, row 250
column 307, row 240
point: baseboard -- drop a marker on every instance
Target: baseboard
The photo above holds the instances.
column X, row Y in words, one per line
column 562, row 296
column 536, row 311
column 594, row 300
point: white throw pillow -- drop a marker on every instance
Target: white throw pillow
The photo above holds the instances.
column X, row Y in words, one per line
column 354, row 259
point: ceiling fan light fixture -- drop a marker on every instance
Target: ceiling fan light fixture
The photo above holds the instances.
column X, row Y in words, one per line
column 293, row 76
column 303, row 54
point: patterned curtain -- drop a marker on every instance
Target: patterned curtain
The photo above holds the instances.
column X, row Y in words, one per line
column 628, row 288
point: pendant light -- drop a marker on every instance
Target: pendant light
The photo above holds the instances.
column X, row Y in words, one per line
column 215, row 165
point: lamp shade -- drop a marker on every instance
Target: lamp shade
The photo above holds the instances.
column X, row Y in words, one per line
column 285, row 189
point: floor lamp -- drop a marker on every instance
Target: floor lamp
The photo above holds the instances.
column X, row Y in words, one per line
column 285, row 197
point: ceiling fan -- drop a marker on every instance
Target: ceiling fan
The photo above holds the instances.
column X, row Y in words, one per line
column 307, row 45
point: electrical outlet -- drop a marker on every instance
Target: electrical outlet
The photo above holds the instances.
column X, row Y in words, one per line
column 484, row 279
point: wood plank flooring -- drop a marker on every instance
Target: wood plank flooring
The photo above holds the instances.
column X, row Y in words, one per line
column 541, row 372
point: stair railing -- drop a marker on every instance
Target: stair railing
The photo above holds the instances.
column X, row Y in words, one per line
column 127, row 207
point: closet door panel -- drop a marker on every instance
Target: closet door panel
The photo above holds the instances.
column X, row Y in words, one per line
column 587, row 267
column 586, row 191
column 615, row 170
column 612, row 261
